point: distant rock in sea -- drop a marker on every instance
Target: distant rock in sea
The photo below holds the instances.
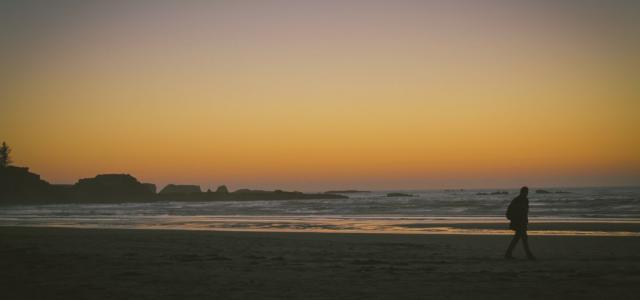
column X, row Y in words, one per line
column 244, row 191
column 17, row 183
column 346, row 192
column 399, row 195
column 542, row 192
column 112, row 187
column 222, row 189
column 19, row 186
column 150, row 187
column 180, row 189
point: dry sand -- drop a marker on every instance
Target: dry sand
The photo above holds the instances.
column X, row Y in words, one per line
column 56, row 263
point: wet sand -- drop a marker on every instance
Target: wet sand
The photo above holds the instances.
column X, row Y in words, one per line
column 353, row 224
column 57, row 263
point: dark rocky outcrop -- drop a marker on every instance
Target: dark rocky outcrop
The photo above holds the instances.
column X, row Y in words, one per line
column 222, row 190
column 112, row 188
column 19, row 186
column 346, row 192
column 243, row 191
column 150, row 187
column 180, row 189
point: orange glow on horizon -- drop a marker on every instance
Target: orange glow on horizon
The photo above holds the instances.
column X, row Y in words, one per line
column 377, row 98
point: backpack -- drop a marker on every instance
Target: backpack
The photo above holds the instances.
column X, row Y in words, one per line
column 510, row 210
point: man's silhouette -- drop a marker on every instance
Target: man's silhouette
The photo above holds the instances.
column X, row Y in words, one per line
column 518, row 214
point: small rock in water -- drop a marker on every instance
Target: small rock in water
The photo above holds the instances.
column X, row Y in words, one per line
column 399, row 195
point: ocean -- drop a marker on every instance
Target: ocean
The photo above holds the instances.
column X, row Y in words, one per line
column 571, row 211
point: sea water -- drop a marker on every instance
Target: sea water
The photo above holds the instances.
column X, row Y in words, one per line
column 425, row 211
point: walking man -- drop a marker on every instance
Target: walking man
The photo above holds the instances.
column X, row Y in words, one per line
column 518, row 214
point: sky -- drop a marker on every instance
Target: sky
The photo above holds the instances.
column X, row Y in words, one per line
column 315, row 95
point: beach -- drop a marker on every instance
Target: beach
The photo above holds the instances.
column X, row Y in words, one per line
column 71, row 263
column 340, row 150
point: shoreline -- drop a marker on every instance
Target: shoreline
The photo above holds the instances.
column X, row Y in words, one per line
column 357, row 232
column 334, row 225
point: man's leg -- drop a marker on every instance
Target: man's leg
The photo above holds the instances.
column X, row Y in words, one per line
column 525, row 242
column 512, row 245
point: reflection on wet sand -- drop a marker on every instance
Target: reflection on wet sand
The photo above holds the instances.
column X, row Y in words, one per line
column 450, row 225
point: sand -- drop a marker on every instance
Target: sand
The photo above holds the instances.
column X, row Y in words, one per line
column 59, row 263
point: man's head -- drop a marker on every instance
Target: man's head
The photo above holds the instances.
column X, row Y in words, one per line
column 524, row 191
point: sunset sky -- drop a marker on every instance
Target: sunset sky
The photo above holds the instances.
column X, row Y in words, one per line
column 315, row 95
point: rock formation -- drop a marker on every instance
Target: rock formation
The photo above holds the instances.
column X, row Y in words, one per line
column 18, row 183
column 222, row 190
column 182, row 189
column 111, row 188
column 399, row 195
